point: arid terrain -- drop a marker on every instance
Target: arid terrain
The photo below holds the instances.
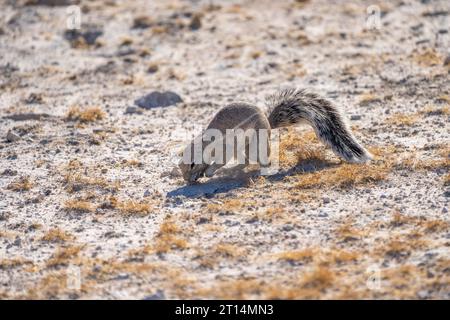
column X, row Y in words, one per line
column 92, row 205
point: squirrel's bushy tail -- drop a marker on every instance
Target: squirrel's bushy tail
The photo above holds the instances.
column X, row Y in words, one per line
column 293, row 106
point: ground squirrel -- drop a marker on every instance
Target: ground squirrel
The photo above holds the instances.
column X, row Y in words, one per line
column 286, row 108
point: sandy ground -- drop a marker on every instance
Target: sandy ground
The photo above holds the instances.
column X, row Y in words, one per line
column 92, row 207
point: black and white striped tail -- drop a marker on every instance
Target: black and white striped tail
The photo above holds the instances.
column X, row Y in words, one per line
column 293, row 106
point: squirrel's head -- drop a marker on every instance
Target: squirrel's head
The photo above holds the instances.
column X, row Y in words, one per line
column 191, row 170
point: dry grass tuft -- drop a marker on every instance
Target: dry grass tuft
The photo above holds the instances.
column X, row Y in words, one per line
column 229, row 250
column 320, row 278
column 367, row 99
column 412, row 162
column 443, row 99
column 79, row 206
column 435, row 226
column 6, row 264
column 130, row 207
column 427, row 58
column 76, row 182
column 343, row 256
column 168, row 237
column 300, row 147
column 64, row 255
column 229, row 205
column 347, row 232
column 256, row 54
column 21, row 184
column 233, row 289
column 344, row 176
column 400, row 220
column 50, row 286
column 436, row 111
column 299, row 256
column 400, row 119
column 271, row 214
column 90, row 114
column 399, row 247
column 57, row 235
column 132, row 163
column 447, row 179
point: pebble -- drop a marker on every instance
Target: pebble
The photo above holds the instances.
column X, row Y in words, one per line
column 447, row 61
column 89, row 33
column 159, row 295
column 196, row 23
column 355, row 117
column 11, row 136
column 133, row 110
column 423, row 294
column 157, row 99
column 9, row 172
column 322, row 214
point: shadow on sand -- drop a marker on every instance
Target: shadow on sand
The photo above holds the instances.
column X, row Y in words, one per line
column 231, row 179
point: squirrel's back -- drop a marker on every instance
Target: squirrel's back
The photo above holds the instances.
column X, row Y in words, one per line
column 239, row 116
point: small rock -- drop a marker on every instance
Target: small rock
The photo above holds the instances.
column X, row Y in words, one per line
column 73, row 142
column 44, row 141
column 447, row 61
column 355, row 117
column 34, row 98
column 17, row 242
column 326, row 200
column 27, row 116
column 147, row 193
column 123, row 276
column 9, row 172
column 158, row 99
column 4, row 216
column 11, row 136
column 287, row 227
column 322, row 214
column 202, row 220
column 152, row 68
column 88, row 34
column 12, row 156
column 252, row 220
column 423, row 294
column 142, row 22
column 133, row 110
column 196, row 22
column 444, row 210
column 159, row 295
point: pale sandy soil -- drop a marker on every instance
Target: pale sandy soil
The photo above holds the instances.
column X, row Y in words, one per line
column 93, row 209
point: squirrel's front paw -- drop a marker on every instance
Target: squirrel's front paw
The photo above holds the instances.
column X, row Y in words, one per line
column 209, row 172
